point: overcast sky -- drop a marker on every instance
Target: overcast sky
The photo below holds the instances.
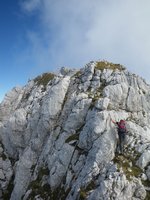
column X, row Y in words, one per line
column 43, row 35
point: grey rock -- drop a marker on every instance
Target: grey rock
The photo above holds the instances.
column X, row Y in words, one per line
column 102, row 103
column 23, row 173
column 144, row 159
column 148, row 172
column 61, row 138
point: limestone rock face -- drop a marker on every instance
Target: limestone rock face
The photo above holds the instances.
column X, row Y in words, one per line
column 57, row 140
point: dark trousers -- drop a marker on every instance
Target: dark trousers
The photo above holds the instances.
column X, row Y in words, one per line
column 121, row 141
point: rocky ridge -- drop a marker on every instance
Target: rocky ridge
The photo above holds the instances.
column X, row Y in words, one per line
column 57, row 140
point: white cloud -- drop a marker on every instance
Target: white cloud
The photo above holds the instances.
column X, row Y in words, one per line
column 75, row 32
column 30, row 5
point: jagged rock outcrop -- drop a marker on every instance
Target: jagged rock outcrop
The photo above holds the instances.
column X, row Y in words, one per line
column 58, row 142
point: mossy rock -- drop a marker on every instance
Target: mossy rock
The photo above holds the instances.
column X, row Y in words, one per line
column 146, row 183
column 7, row 194
column 25, row 96
column 77, row 74
column 84, row 191
column 44, row 79
column 4, row 157
column 147, row 195
column 130, row 171
column 101, row 65
column 45, row 191
column 82, row 194
column 37, row 187
column 72, row 138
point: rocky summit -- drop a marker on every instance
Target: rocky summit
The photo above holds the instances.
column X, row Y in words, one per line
column 57, row 140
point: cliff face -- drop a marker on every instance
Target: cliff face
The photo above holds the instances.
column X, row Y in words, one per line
column 57, row 140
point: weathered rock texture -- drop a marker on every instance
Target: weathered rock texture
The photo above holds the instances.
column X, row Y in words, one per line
column 58, row 141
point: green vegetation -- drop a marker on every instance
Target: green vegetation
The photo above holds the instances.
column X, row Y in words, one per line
column 131, row 171
column 3, row 155
column 101, row 65
column 91, row 186
column 101, row 88
column 83, row 194
column 96, row 96
column 124, row 163
column 77, row 74
column 146, row 184
column 84, row 191
column 37, row 187
column 94, row 99
column 110, row 107
column 44, row 191
column 72, row 138
column 60, row 192
column 7, row 194
column 44, row 79
column 25, row 96
column 147, row 195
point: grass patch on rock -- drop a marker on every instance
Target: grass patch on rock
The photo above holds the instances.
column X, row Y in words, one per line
column 44, row 191
column 72, row 138
column 96, row 96
column 101, row 65
column 147, row 195
column 130, row 170
column 7, row 193
column 146, row 183
column 77, row 74
column 37, row 187
column 84, row 191
column 44, row 79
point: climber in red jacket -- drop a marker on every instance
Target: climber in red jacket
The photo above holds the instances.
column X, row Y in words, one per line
column 121, row 133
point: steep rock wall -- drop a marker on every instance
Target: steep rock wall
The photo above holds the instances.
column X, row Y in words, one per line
column 58, row 141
